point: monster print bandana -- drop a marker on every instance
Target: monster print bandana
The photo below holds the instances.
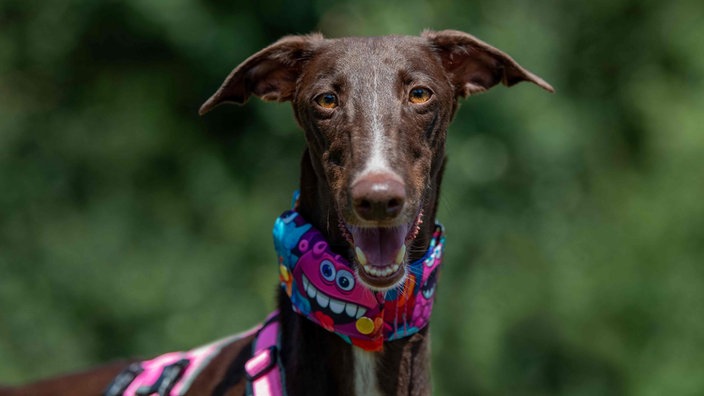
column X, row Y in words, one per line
column 323, row 287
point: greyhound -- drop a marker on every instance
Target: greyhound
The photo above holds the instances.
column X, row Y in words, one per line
column 359, row 251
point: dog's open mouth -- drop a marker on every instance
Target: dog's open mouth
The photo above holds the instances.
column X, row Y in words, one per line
column 381, row 252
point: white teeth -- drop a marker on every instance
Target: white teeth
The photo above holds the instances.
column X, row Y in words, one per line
column 336, row 306
column 360, row 255
column 381, row 272
column 322, row 300
column 309, row 289
column 401, row 254
column 351, row 310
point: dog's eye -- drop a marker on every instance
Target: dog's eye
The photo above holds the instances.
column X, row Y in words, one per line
column 326, row 100
column 419, row 95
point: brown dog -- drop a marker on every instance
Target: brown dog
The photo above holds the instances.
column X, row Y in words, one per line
column 375, row 112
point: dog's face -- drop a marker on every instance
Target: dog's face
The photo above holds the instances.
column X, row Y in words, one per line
column 375, row 113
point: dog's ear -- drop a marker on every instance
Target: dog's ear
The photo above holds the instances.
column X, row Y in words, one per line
column 270, row 74
column 474, row 66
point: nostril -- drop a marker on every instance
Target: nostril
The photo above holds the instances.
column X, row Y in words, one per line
column 394, row 206
column 364, row 205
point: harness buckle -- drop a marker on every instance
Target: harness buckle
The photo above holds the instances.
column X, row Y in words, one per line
column 261, row 363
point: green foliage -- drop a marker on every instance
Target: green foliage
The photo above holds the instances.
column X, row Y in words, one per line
column 129, row 226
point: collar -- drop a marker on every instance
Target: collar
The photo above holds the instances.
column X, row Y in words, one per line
column 337, row 301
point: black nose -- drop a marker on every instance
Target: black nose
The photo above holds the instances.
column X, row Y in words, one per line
column 378, row 197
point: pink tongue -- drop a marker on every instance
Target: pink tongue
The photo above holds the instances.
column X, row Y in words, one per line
column 380, row 245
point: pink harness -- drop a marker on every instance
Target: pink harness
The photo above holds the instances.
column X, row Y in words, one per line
column 264, row 373
column 173, row 373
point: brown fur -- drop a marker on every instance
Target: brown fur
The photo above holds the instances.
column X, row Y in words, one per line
column 358, row 71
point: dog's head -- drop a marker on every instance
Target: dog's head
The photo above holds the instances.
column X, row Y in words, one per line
column 375, row 112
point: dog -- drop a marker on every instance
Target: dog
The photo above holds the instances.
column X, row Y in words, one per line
column 359, row 251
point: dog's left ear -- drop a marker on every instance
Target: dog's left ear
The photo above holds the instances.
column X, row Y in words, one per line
column 270, row 74
column 474, row 66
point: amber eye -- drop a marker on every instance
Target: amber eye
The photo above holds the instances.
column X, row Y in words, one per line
column 326, row 100
column 419, row 95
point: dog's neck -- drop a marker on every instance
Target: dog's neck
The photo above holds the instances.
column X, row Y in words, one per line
column 322, row 287
column 402, row 368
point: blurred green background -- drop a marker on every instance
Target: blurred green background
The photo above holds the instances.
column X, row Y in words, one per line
column 130, row 226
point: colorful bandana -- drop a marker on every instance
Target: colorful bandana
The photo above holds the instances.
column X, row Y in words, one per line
column 323, row 288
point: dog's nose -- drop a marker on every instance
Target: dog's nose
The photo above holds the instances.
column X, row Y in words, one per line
column 378, row 197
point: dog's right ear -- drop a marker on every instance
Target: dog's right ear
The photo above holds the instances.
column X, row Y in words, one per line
column 270, row 74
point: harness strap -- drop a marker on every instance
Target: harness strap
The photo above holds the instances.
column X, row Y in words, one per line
column 263, row 369
column 170, row 374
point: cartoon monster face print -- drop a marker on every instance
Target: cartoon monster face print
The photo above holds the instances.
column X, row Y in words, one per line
column 329, row 286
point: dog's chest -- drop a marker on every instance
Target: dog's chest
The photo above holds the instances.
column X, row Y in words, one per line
column 365, row 378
